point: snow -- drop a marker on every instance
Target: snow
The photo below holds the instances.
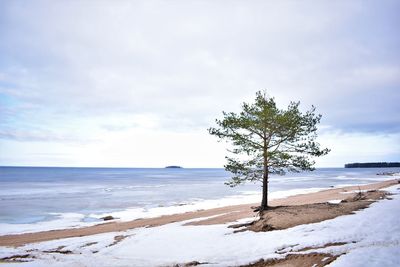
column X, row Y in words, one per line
column 353, row 191
column 372, row 236
column 64, row 220
column 370, row 256
column 335, row 201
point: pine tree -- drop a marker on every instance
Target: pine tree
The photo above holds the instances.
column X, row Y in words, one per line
column 272, row 140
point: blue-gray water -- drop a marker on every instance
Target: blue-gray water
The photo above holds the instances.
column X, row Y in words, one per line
column 31, row 194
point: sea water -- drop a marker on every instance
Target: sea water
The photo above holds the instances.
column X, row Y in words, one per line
column 75, row 196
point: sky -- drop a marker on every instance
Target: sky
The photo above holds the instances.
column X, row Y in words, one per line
column 137, row 83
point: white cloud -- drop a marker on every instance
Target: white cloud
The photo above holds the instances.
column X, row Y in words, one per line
column 93, row 70
column 130, row 148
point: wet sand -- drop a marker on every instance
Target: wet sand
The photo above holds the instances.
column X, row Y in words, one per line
column 220, row 216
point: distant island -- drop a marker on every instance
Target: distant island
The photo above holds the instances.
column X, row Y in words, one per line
column 173, row 167
column 373, row 165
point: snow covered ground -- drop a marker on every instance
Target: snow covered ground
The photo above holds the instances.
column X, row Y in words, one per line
column 371, row 237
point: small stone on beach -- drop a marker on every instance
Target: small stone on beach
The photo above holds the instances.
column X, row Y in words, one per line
column 107, row 218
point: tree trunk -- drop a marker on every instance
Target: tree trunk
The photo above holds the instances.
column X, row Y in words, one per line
column 264, row 202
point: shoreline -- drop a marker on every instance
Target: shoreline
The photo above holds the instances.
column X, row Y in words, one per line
column 221, row 215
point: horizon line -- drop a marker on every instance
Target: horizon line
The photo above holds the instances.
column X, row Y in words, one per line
column 109, row 167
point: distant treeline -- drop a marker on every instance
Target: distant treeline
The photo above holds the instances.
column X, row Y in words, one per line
column 372, row 165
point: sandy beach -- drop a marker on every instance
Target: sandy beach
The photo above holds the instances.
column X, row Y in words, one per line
column 199, row 133
column 220, row 215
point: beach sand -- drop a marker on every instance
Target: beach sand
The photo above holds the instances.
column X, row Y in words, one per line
column 283, row 217
column 220, row 215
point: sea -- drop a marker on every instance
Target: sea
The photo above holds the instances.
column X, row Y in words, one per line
column 44, row 198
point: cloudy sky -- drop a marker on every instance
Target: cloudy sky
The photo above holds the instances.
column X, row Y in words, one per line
column 137, row 83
